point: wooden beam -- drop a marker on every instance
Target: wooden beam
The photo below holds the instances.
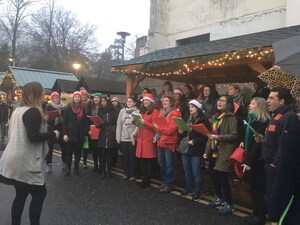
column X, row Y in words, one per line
column 257, row 67
column 132, row 82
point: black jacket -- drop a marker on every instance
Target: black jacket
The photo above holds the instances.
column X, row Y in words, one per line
column 253, row 157
column 107, row 135
column 3, row 112
column 287, row 179
column 199, row 140
column 76, row 130
column 271, row 142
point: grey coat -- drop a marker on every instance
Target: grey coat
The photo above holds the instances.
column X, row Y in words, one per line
column 227, row 143
column 125, row 127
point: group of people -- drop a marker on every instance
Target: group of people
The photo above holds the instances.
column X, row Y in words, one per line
column 146, row 133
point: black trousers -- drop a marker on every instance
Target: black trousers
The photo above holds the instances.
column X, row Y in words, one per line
column 76, row 148
column 63, row 148
column 38, row 194
column 147, row 167
column 258, row 193
column 129, row 160
column 220, row 182
column 271, row 176
column 96, row 153
column 106, row 156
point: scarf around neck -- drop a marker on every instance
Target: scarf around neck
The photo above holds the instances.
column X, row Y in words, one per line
column 166, row 112
column 59, row 107
column 77, row 110
column 217, row 122
column 251, row 118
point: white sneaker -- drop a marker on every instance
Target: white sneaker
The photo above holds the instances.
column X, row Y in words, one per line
column 49, row 169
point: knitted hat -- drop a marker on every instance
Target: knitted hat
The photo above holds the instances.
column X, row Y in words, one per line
column 76, row 93
column 196, row 103
column 83, row 92
column 149, row 97
column 54, row 94
column 116, row 99
column 98, row 95
column 178, row 90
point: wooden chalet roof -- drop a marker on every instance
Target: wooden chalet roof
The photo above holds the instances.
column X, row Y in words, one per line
column 45, row 77
column 104, row 86
column 170, row 63
column 67, row 86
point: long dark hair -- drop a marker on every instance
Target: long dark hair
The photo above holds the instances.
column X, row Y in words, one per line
column 229, row 104
column 143, row 109
column 109, row 107
column 213, row 96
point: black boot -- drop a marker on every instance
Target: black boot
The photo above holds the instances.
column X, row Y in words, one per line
column 108, row 175
column 104, row 175
column 67, row 173
column 95, row 168
column 76, row 171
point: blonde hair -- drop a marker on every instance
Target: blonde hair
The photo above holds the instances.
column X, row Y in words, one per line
column 261, row 112
column 31, row 96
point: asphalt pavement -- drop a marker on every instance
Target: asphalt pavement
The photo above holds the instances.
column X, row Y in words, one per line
column 89, row 200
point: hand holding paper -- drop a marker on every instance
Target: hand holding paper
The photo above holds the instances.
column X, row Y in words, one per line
column 201, row 128
column 254, row 131
column 160, row 122
column 96, row 120
column 181, row 124
column 137, row 119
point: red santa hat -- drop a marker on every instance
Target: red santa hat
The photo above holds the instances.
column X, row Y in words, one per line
column 196, row 103
column 178, row 90
column 83, row 92
column 149, row 97
column 77, row 93
column 54, row 94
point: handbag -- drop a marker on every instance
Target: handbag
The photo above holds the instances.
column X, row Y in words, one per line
column 183, row 146
column 237, row 159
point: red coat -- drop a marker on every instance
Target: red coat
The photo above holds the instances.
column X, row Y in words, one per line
column 169, row 137
column 145, row 147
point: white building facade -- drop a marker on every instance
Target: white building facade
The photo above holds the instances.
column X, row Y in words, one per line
column 173, row 23
column 179, row 22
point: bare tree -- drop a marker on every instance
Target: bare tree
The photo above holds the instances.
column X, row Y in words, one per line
column 59, row 39
column 12, row 18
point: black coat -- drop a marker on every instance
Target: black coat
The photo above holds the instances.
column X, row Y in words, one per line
column 253, row 157
column 287, row 178
column 76, row 130
column 199, row 140
column 3, row 112
column 107, row 135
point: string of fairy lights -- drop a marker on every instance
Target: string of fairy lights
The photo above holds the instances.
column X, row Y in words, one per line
column 9, row 76
column 188, row 65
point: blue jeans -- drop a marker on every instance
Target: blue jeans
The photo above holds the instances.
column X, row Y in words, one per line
column 166, row 160
column 191, row 166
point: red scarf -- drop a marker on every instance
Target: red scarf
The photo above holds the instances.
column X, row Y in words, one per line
column 77, row 110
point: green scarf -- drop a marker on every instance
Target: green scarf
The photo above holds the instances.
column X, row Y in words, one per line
column 251, row 118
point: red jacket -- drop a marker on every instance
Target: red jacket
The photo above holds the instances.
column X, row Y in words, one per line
column 145, row 147
column 169, row 137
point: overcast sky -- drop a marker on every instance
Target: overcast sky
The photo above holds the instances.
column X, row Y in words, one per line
column 112, row 16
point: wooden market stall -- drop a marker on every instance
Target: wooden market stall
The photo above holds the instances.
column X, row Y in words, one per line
column 233, row 60
column 16, row 77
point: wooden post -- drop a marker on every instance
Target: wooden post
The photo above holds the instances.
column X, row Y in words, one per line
column 132, row 82
column 257, row 67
